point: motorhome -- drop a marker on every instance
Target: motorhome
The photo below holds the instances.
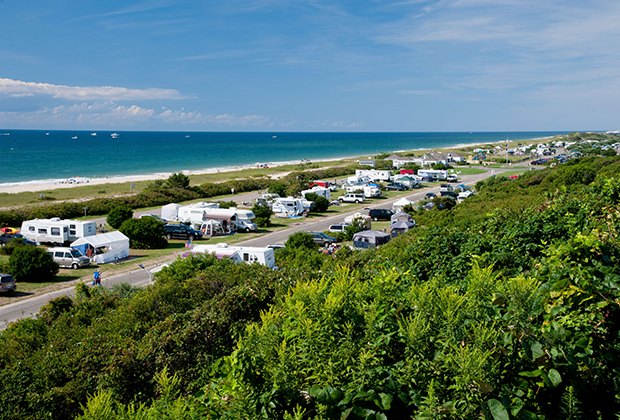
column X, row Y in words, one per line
column 56, row 230
column 433, row 174
column 244, row 254
column 371, row 191
column 288, row 207
column 245, row 220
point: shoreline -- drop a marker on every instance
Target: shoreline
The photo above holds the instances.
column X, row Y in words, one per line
column 80, row 181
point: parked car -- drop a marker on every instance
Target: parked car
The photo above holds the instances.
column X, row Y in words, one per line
column 322, row 238
column 395, row 186
column 8, row 237
column 451, row 194
column 445, row 187
column 540, row 161
column 68, row 257
column 430, row 196
column 352, row 198
column 452, row 178
column 380, row 214
column 338, row 227
column 181, row 231
column 7, row 283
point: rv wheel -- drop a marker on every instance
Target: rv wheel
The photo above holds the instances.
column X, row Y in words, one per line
column 74, row 266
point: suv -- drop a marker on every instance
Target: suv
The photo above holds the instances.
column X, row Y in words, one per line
column 395, row 186
column 351, row 198
column 7, row 283
column 181, row 231
column 452, row 178
column 322, row 238
column 339, row 227
column 68, row 257
column 380, row 214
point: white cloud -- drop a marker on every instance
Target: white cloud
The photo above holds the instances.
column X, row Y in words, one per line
column 343, row 124
column 113, row 116
column 17, row 88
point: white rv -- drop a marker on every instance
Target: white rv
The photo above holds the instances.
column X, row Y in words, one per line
column 245, row 220
column 195, row 212
column 371, row 191
column 56, row 230
column 245, row 254
column 318, row 190
column 434, row 174
column 373, row 174
column 288, row 207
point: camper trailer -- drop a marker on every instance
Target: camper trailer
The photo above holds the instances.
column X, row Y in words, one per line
column 373, row 174
column 433, row 174
column 320, row 191
column 288, row 207
column 245, row 254
column 195, row 212
column 56, row 230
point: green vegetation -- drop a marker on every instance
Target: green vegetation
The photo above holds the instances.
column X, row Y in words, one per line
column 506, row 306
column 29, row 263
column 118, row 215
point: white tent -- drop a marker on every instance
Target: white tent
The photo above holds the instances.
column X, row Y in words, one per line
column 170, row 211
column 398, row 205
column 109, row 247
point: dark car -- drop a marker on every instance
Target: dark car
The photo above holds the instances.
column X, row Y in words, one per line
column 430, row 196
column 380, row 214
column 395, row 186
column 181, row 231
column 451, row 194
column 540, row 161
column 5, row 238
column 7, row 283
column 322, row 238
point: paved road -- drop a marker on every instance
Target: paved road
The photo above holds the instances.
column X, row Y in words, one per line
column 140, row 277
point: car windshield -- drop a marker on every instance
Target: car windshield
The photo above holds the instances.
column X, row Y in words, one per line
column 75, row 253
column 6, row 279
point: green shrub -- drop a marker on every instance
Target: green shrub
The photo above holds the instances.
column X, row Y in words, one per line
column 263, row 215
column 118, row 215
column 144, row 233
column 29, row 263
column 320, row 203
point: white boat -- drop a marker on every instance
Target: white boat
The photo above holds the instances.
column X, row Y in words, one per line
column 93, row 134
column 74, row 138
column 114, row 135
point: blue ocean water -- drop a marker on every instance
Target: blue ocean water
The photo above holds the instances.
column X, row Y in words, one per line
column 29, row 155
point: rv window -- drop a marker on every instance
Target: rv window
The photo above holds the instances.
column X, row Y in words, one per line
column 31, row 228
column 245, row 257
column 72, row 226
column 72, row 232
column 42, row 231
column 59, row 254
column 55, row 231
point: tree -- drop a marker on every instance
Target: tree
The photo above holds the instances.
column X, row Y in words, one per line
column 29, row 263
column 118, row 215
column 301, row 240
column 277, row 187
column 263, row 215
column 145, row 233
column 320, row 203
column 178, row 180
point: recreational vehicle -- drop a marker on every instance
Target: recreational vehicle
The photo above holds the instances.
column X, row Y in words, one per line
column 57, row 231
column 374, row 174
column 433, row 174
column 245, row 254
column 288, row 207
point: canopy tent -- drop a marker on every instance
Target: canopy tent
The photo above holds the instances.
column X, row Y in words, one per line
column 401, row 216
column 370, row 238
column 108, row 247
column 170, row 211
column 398, row 205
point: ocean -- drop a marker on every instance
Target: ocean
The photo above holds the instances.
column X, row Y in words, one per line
column 37, row 155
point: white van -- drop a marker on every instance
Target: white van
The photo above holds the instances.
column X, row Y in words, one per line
column 68, row 257
column 245, row 220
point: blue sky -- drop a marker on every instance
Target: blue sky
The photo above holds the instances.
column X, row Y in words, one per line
column 287, row 65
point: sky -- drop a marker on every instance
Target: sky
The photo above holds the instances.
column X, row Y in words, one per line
column 294, row 65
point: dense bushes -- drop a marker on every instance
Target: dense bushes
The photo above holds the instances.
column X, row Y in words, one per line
column 118, row 215
column 144, row 233
column 29, row 263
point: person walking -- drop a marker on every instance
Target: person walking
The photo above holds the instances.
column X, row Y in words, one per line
column 97, row 278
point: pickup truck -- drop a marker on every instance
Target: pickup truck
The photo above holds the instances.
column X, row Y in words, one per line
column 351, row 198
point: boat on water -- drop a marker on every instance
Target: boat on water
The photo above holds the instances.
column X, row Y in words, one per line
column 274, row 137
column 74, row 138
column 93, row 134
column 114, row 135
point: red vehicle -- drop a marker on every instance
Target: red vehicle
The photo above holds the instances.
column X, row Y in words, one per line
column 324, row 184
column 407, row 172
column 9, row 230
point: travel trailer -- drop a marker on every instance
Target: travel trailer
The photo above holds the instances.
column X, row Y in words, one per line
column 433, row 174
column 320, row 191
column 245, row 254
column 373, row 174
column 56, row 230
column 288, row 207
column 195, row 212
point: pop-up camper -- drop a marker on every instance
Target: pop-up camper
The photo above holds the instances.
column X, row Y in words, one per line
column 245, row 254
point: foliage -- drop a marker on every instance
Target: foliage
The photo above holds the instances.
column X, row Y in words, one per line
column 227, row 204
column 320, row 203
column 144, row 233
column 178, row 180
column 29, row 263
column 262, row 215
column 118, row 215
